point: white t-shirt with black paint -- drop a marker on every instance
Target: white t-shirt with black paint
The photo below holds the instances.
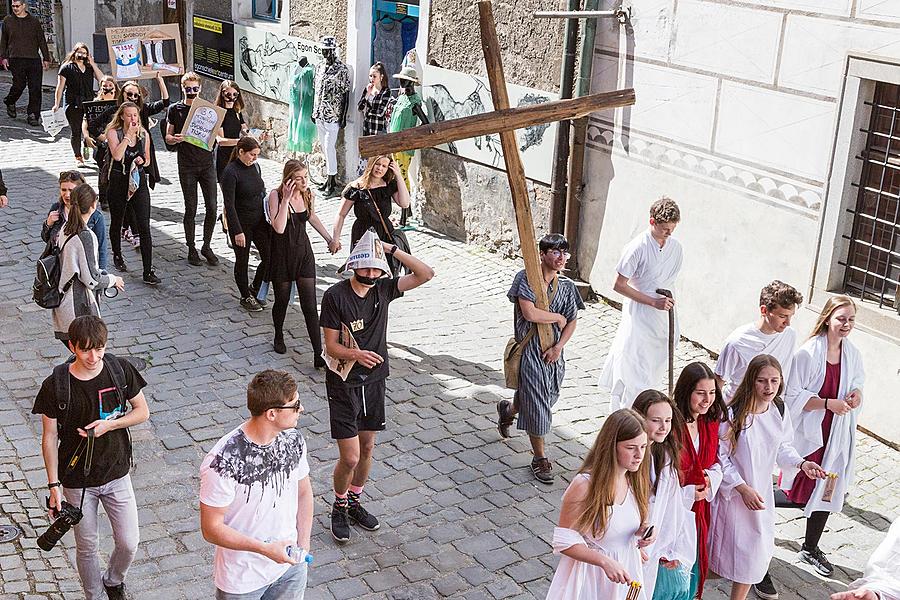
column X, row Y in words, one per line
column 259, row 486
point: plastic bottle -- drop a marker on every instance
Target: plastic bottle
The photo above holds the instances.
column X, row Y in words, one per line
column 299, row 554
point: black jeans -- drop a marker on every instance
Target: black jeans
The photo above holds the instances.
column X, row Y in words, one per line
column 257, row 234
column 189, row 177
column 27, row 72
column 75, row 115
column 139, row 203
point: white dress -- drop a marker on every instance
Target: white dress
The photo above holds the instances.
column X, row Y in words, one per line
column 742, row 541
column 576, row 580
column 640, row 352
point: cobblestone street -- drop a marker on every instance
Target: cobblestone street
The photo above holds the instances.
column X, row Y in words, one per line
column 462, row 516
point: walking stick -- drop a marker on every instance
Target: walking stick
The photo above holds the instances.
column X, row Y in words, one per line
column 668, row 294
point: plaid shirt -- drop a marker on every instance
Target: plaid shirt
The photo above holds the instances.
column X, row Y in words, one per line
column 375, row 112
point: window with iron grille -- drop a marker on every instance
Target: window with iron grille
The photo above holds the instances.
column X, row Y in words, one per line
column 873, row 261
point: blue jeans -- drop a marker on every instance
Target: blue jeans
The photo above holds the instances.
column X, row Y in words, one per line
column 290, row 586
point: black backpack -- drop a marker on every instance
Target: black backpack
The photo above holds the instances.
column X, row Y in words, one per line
column 45, row 289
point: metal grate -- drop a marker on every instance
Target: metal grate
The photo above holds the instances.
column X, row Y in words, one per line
column 873, row 260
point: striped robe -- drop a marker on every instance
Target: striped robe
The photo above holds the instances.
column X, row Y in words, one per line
column 79, row 264
column 539, row 382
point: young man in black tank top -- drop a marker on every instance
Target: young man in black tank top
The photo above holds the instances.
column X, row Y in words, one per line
column 356, row 402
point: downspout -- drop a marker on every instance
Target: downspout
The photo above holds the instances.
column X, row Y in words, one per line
column 561, row 147
column 576, row 154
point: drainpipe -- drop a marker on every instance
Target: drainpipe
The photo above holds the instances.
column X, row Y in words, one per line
column 576, row 154
column 561, row 147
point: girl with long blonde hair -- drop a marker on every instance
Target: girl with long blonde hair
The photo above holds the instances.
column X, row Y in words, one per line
column 603, row 516
column 76, row 77
column 757, row 436
column 824, row 396
column 372, row 197
column 291, row 258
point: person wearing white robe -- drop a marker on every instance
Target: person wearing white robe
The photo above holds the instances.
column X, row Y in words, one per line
column 771, row 334
column 828, row 350
column 742, row 528
column 640, row 350
column 600, row 543
column 881, row 579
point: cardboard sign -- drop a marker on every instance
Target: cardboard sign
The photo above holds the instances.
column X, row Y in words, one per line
column 142, row 52
column 342, row 367
column 202, row 123
column 95, row 111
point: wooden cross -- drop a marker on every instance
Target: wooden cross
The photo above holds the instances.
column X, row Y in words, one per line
column 504, row 120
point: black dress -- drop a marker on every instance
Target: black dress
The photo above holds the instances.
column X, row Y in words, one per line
column 152, row 108
column 364, row 203
column 291, row 256
column 231, row 127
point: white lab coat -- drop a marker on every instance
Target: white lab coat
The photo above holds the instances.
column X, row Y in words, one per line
column 639, row 354
column 746, row 343
column 882, row 574
column 807, row 377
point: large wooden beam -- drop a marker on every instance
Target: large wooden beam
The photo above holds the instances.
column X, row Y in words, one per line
column 509, row 119
column 515, row 173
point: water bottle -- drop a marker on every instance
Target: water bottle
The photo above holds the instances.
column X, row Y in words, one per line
column 299, row 554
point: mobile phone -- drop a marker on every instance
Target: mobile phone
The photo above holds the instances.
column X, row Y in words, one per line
column 648, row 534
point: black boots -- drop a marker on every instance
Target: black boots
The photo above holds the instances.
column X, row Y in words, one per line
column 328, row 187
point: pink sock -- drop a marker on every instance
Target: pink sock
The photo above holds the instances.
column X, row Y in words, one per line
column 341, row 496
column 356, row 489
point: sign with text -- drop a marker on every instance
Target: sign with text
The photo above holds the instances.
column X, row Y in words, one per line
column 142, row 52
column 268, row 62
column 213, row 48
column 202, row 123
column 96, row 112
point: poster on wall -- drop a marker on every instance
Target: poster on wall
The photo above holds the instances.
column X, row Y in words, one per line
column 213, row 48
column 267, row 62
column 202, row 123
column 142, row 52
column 42, row 10
column 452, row 95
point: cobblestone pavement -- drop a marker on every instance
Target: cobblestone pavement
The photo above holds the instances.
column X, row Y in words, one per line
column 462, row 516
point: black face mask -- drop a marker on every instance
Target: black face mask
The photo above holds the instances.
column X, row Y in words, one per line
column 366, row 281
column 191, row 94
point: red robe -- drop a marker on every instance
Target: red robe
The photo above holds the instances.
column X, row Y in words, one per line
column 693, row 465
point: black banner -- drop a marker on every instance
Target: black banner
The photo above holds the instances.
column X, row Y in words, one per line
column 98, row 114
column 213, row 48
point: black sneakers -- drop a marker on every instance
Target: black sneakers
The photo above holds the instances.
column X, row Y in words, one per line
column 542, row 469
column 194, row 257
column 116, row 592
column 250, row 304
column 150, row 278
column 119, row 263
column 817, row 559
column 504, row 417
column 34, row 120
column 11, row 111
column 279, row 345
column 209, row 255
column 765, row 589
column 361, row 516
column 340, row 522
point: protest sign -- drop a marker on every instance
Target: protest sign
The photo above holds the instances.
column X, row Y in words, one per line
column 96, row 112
column 203, row 123
column 340, row 366
column 143, row 51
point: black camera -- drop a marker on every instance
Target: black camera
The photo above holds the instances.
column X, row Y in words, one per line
column 68, row 515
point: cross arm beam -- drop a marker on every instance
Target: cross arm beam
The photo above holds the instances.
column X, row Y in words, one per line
column 434, row 134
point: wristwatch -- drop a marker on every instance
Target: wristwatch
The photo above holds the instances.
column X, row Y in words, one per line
column 50, row 486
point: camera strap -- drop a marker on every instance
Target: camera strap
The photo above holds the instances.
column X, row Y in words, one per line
column 88, row 459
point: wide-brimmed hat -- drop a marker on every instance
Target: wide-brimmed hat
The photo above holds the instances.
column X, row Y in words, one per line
column 408, row 73
column 368, row 254
column 329, row 42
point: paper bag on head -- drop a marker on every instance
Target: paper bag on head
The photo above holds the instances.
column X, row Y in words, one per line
column 368, row 254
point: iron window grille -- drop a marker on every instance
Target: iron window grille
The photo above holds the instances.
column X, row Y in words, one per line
column 873, row 259
column 267, row 9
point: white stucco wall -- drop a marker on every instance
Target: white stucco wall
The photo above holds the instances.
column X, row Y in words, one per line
column 737, row 117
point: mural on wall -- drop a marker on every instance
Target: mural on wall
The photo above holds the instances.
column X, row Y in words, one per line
column 453, row 95
column 267, row 62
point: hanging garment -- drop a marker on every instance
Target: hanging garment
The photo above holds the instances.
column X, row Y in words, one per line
column 403, row 117
column 301, row 129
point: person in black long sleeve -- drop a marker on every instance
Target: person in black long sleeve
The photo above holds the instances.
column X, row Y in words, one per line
column 244, row 191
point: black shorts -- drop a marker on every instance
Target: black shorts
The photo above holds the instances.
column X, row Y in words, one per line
column 355, row 409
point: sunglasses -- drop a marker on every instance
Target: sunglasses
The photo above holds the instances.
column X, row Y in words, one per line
column 294, row 407
column 230, row 96
column 132, row 95
column 81, row 56
column 65, row 176
column 193, row 88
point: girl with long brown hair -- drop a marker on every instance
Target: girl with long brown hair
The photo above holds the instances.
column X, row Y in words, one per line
column 291, row 257
column 824, row 396
column 233, row 127
column 76, row 77
column 603, row 516
column 757, row 436
column 672, row 555
column 371, row 197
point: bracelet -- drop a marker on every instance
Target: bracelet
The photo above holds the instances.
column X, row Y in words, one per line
column 826, row 403
column 392, row 250
column 800, row 466
column 50, row 486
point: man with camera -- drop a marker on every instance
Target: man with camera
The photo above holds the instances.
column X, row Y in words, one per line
column 87, row 454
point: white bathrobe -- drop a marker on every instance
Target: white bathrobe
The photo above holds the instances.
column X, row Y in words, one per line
column 882, row 574
column 640, row 352
column 746, row 343
column 807, row 377
column 673, row 523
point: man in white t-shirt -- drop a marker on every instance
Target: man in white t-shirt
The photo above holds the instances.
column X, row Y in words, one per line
column 256, row 499
column 770, row 334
